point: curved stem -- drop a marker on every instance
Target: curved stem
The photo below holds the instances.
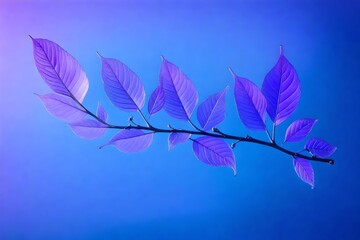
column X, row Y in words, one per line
column 217, row 133
column 194, row 126
column 231, row 137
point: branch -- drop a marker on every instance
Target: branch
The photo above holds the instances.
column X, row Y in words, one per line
column 216, row 133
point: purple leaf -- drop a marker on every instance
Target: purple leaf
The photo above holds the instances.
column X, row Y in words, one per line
column 212, row 111
column 177, row 138
column 101, row 113
column 62, row 107
column 214, row 152
column 299, row 129
column 181, row 96
column 122, row 85
column 319, row 147
column 281, row 88
column 88, row 128
column 304, row 170
column 250, row 102
column 59, row 69
column 156, row 101
column 131, row 140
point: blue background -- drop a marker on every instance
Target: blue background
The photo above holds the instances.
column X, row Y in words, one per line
column 54, row 185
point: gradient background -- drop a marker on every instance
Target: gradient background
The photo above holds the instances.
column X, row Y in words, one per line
column 54, row 185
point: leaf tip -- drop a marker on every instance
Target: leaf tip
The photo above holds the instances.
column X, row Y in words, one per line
column 281, row 50
column 34, row 40
column 99, row 55
column 162, row 58
column 102, row 146
column 38, row 95
column 232, row 72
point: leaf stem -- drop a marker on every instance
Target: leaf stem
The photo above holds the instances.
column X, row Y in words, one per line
column 273, row 132
column 268, row 134
column 143, row 117
column 194, row 126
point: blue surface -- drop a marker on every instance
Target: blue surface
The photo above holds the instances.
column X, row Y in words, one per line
column 54, row 185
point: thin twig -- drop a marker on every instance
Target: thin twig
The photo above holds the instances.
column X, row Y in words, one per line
column 216, row 133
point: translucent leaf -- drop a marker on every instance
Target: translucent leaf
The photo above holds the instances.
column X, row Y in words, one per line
column 131, row 140
column 250, row 102
column 62, row 107
column 88, row 128
column 281, row 88
column 181, row 96
column 101, row 113
column 122, row 85
column 212, row 111
column 156, row 101
column 214, row 151
column 299, row 129
column 59, row 69
column 177, row 138
column 304, row 170
column 319, row 147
